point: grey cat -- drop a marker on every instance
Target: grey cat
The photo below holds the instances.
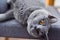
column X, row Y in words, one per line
column 35, row 28
column 20, row 10
column 29, row 12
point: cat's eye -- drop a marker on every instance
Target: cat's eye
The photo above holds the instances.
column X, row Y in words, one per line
column 41, row 22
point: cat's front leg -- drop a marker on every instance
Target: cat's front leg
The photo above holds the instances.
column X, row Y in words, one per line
column 6, row 16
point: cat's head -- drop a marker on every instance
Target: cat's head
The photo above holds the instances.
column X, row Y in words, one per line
column 39, row 22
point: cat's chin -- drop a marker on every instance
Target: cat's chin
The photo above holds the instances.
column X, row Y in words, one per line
column 34, row 33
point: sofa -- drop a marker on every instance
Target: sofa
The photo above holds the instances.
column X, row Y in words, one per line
column 11, row 28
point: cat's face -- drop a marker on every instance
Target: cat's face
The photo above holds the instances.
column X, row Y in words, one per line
column 39, row 23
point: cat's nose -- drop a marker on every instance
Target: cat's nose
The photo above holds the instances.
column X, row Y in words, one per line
column 36, row 28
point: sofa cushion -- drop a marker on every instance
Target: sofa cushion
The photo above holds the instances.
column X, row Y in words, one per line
column 12, row 28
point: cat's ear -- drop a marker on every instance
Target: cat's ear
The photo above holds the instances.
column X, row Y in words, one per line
column 52, row 19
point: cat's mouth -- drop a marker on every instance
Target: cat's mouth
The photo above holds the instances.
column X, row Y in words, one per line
column 39, row 32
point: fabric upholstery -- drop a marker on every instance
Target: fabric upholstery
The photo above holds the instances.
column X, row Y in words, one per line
column 12, row 28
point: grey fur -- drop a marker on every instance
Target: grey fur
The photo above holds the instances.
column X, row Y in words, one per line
column 24, row 11
column 21, row 10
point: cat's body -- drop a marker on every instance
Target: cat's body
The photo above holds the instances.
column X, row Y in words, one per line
column 22, row 11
